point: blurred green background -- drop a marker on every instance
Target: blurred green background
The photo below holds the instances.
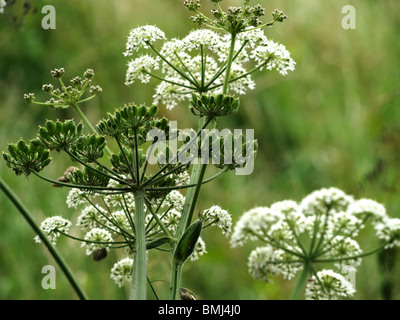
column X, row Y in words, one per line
column 333, row 122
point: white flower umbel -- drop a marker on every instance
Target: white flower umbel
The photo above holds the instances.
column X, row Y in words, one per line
column 202, row 38
column 370, row 208
column 266, row 262
column 320, row 230
column 196, row 63
column 118, row 222
column 3, row 4
column 140, row 68
column 274, row 56
column 174, row 199
column 121, row 272
column 332, row 199
column 328, row 285
column 97, row 239
column 199, row 250
column 182, row 178
column 261, row 263
column 389, row 231
column 91, row 217
column 53, row 226
column 140, row 38
column 76, row 197
column 171, row 219
column 252, row 224
column 342, row 248
column 119, row 200
column 220, row 217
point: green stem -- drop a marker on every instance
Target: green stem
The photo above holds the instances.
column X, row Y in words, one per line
column 363, row 255
column 301, row 282
column 176, row 279
column 89, row 125
column 229, row 63
column 139, row 276
column 53, row 251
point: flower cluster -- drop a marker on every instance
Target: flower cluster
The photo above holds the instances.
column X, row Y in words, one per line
column 328, row 285
column 68, row 95
column 3, row 4
column 320, row 229
column 53, row 227
column 219, row 217
column 122, row 271
column 197, row 63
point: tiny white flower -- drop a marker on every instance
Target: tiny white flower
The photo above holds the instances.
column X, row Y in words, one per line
column 117, row 221
column 171, row 219
column 140, row 68
column 329, row 286
column 76, row 197
column 326, row 199
column 119, row 200
column 261, row 263
column 102, row 236
column 122, row 271
column 202, row 37
column 182, row 179
column 274, row 56
column 368, row 207
column 52, row 227
column 199, row 250
column 141, row 37
column 389, row 230
column 3, row 4
column 90, row 217
column 220, row 217
column 253, row 223
column 344, row 248
column 174, row 199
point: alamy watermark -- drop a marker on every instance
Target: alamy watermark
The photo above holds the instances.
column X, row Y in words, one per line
column 349, row 20
column 49, row 280
column 49, row 20
column 218, row 147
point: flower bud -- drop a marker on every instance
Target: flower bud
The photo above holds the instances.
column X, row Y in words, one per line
column 187, row 243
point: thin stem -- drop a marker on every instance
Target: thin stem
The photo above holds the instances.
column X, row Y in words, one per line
column 170, row 64
column 176, row 279
column 203, row 66
column 241, row 76
column 229, row 63
column 322, row 235
column 127, row 163
column 187, row 69
column 223, row 67
column 184, row 149
column 88, row 123
column 300, row 244
column 169, row 81
column 94, row 169
column 188, row 185
column 136, row 159
column 152, row 288
column 159, row 222
column 139, row 276
column 114, row 174
column 53, row 251
column 354, row 257
column 196, row 195
column 301, row 282
column 77, row 186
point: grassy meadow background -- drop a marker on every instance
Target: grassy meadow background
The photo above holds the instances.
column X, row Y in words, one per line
column 335, row 121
